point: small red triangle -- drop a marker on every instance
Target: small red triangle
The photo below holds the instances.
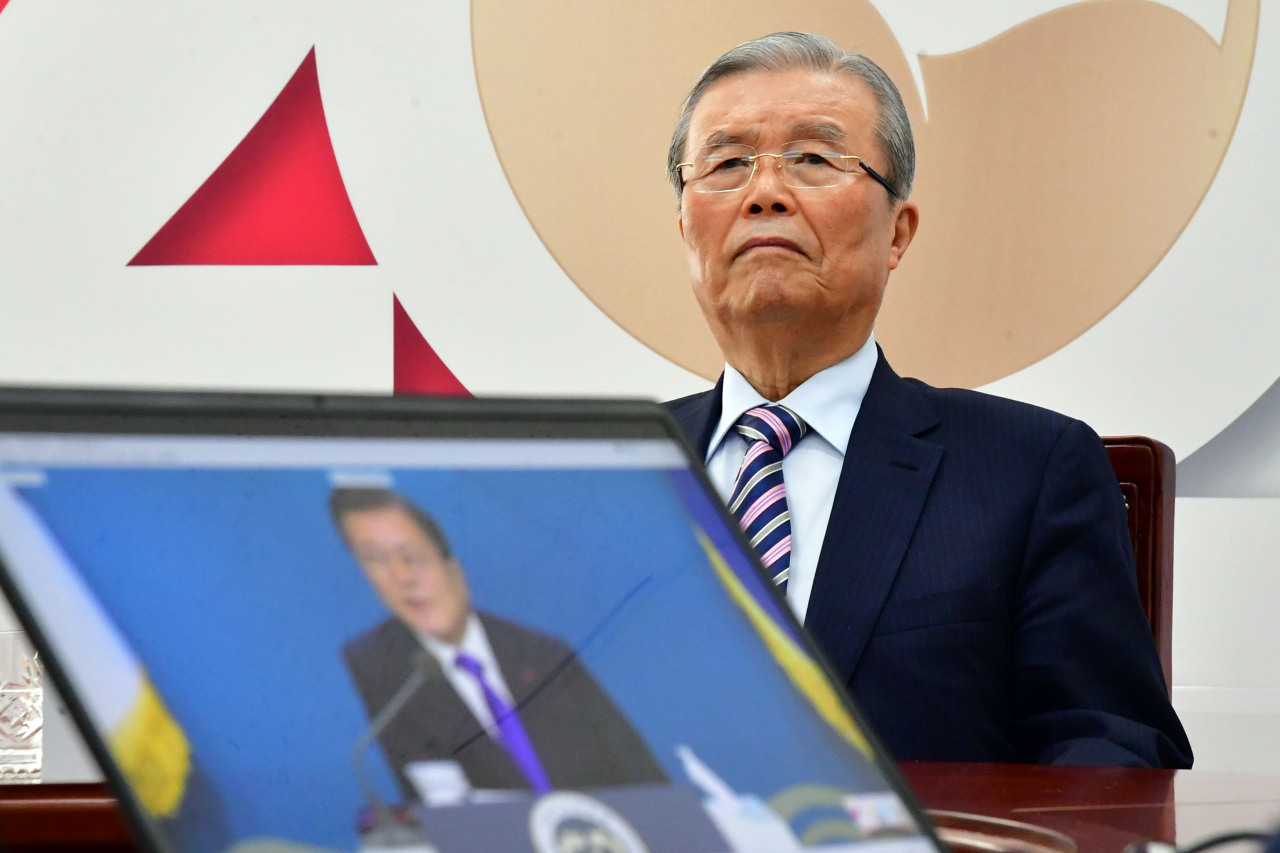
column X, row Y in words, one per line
column 3, row 3
column 277, row 199
column 418, row 370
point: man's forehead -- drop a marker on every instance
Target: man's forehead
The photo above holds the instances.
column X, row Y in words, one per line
column 376, row 521
column 797, row 103
column 802, row 130
column 386, row 511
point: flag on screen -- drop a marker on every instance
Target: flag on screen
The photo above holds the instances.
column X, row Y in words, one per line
column 803, row 671
column 147, row 743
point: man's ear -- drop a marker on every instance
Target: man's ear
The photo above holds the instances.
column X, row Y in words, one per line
column 905, row 223
column 680, row 225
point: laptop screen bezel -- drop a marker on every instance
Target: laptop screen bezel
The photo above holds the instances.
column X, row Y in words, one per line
column 208, row 414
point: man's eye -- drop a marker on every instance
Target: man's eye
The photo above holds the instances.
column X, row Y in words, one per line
column 728, row 164
column 810, row 158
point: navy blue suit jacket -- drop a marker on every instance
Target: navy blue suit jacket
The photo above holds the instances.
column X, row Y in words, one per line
column 976, row 591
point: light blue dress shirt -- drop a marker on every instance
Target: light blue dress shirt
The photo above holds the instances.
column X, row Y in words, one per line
column 828, row 402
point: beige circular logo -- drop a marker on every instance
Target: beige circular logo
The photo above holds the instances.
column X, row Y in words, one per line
column 570, row 822
column 1058, row 162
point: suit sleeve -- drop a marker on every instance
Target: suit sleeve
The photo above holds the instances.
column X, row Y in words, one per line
column 1089, row 690
column 354, row 660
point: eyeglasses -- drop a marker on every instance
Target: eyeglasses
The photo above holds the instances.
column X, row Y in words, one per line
column 803, row 164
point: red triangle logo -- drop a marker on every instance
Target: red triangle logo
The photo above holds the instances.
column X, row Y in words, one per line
column 277, row 199
column 3, row 3
column 418, row 370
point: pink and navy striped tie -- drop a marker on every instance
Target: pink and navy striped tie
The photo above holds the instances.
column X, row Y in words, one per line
column 759, row 497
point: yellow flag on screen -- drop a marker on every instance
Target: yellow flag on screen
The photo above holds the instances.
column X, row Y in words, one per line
column 146, row 742
column 803, row 670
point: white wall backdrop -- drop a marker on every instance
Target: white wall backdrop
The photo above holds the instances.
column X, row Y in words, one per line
column 112, row 115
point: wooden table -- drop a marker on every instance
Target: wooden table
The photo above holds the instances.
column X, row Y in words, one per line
column 1103, row 809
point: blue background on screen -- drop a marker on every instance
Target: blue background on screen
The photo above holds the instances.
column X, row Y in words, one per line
column 235, row 591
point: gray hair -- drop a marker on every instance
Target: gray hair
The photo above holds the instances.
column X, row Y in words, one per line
column 790, row 51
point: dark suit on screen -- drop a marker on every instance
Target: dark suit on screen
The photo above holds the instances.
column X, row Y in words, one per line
column 975, row 590
column 581, row 738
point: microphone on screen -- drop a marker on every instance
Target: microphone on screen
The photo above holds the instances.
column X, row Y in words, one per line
column 379, row 825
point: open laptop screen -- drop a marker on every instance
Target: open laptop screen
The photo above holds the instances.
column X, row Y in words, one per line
column 515, row 628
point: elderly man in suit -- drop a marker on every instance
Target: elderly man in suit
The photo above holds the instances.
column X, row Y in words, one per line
column 514, row 707
column 962, row 559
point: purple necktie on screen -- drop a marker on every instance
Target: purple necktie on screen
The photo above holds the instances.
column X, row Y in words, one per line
column 759, row 497
column 511, row 731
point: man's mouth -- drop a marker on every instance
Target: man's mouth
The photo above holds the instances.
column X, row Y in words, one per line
column 768, row 243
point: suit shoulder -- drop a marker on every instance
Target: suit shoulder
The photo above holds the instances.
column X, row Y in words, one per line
column 375, row 642
column 981, row 403
column 682, row 405
column 696, row 415
column 988, row 410
column 507, row 634
column 980, row 424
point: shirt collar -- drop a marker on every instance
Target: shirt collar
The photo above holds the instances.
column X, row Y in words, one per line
column 828, row 401
column 474, row 642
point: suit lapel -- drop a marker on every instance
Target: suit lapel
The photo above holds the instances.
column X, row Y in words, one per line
column 887, row 473
column 521, row 674
column 698, row 415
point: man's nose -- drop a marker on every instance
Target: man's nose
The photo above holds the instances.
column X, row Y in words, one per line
column 766, row 191
column 402, row 569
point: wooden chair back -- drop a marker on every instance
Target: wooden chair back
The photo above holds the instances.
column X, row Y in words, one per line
column 1146, row 472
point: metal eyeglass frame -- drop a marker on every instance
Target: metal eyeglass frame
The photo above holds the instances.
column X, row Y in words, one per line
column 755, row 158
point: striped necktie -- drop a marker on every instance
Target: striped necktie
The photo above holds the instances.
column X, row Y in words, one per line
column 759, row 497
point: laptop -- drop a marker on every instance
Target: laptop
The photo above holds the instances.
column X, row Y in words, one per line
column 304, row 623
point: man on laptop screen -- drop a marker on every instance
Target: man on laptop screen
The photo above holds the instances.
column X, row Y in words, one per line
column 512, row 706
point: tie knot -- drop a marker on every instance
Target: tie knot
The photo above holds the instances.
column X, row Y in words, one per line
column 777, row 426
column 470, row 664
